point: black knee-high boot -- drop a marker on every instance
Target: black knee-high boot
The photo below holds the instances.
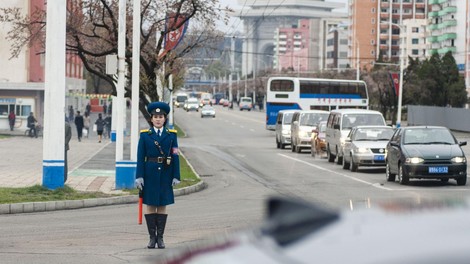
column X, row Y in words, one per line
column 161, row 222
column 152, row 228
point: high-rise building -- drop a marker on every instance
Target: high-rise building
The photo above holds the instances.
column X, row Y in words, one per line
column 375, row 28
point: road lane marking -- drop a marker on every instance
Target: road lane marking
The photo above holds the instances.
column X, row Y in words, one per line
column 376, row 185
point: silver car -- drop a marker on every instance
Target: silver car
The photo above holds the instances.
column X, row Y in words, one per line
column 208, row 111
column 365, row 146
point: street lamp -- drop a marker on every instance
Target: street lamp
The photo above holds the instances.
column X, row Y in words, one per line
column 402, row 60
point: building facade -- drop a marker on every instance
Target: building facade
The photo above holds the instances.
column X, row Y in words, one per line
column 22, row 77
column 263, row 18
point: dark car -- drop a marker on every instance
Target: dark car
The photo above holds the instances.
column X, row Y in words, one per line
column 425, row 152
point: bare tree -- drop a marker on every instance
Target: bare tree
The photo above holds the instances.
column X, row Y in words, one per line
column 92, row 34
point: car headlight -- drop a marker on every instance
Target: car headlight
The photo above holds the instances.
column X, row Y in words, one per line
column 362, row 150
column 414, row 160
column 286, row 132
column 458, row 159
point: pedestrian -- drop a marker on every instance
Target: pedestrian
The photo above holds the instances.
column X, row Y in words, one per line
column 79, row 124
column 107, row 121
column 86, row 124
column 158, row 169
column 68, row 136
column 87, row 108
column 105, row 108
column 12, row 119
column 99, row 127
column 70, row 113
column 31, row 124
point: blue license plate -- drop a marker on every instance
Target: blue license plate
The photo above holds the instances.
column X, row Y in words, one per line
column 438, row 169
column 379, row 157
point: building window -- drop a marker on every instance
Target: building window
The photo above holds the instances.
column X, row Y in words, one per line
column 415, row 29
column 415, row 41
column 415, row 52
column 372, row 20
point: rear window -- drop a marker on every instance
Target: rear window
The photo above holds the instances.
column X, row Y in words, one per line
column 246, row 100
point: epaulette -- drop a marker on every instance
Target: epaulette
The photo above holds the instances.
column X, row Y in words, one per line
column 173, row 131
column 145, row 131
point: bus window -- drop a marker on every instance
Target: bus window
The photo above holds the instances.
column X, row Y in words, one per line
column 282, row 86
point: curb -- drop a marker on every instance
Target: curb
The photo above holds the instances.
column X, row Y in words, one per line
column 34, row 207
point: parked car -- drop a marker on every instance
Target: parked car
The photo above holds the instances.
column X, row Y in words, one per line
column 283, row 124
column 340, row 123
column 208, row 111
column 365, row 146
column 303, row 122
column 246, row 103
column 295, row 231
column 318, row 139
column 192, row 105
column 425, row 152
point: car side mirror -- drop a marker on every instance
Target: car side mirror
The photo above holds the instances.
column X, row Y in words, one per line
column 394, row 143
column 463, row 143
column 346, row 140
column 336, row 126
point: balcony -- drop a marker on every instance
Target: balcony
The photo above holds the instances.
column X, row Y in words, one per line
column 448, row 10
column 447, row 23
column 447, row 36
column 432, row 39
column 447, row 49
column 433, row 14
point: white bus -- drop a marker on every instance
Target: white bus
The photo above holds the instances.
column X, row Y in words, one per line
column 312, row 94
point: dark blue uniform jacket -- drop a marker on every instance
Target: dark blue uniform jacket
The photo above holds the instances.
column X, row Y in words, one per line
column 158, row 177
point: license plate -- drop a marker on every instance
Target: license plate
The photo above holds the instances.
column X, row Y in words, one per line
column 438, row 169
column 379, row 157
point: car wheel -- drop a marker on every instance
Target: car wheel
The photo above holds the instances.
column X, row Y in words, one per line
column 402, row 178
column 345, row 164
column 388, row 175
column 462, row 180
column 339, row 159
column 283, row 145
column 298, row 149
column 352, row 166
column 330, row 156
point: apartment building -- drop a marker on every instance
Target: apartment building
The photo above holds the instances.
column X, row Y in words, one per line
column 292, row 47
column 375, row 28
column 448, row 31
column 337, row 49
column 22, row 77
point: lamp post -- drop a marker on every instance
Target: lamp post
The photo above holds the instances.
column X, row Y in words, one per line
column 400, row 85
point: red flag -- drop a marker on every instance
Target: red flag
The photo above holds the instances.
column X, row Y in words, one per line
column 175, row 29
column 396, row 82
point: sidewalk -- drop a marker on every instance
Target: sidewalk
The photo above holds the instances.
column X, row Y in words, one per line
column 91, row 165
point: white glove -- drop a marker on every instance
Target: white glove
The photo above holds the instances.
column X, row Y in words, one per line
column 175, row 182
column 139, row 183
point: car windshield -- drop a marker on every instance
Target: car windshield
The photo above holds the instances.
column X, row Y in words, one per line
column 322, row 127
column 207, row 107
column 373, row 134
column 310, row 119
column 352, row 120
column 288, row 118
column 428, row 136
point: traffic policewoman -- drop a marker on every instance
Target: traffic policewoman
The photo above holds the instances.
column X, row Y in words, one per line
column 158, row 170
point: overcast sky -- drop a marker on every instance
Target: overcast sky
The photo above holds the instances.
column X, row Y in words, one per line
column 234, row 23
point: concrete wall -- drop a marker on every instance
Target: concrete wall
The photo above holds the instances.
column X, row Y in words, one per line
column 453, row 118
